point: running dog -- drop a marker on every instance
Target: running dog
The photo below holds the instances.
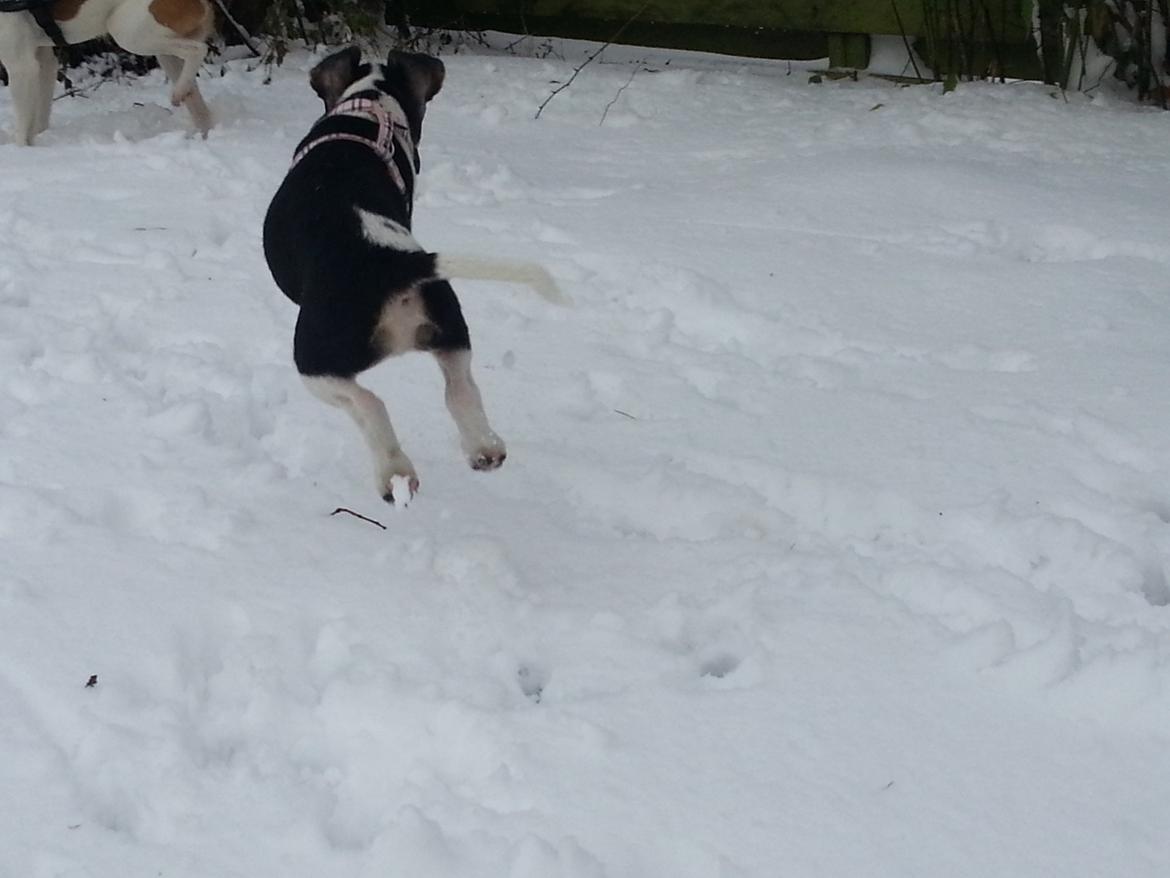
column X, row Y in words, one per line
column 173, row 30
column 338, row 241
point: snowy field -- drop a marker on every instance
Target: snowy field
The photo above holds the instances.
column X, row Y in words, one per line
column 833, row 538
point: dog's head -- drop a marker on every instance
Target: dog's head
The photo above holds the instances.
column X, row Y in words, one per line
column 410, row 78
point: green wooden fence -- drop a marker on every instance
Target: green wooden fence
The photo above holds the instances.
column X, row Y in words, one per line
column 990, row 34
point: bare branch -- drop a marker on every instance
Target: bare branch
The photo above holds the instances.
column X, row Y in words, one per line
column 83, row 92
column 905, row 40
column 605, row 112
column 239, row 28
column 560, row 88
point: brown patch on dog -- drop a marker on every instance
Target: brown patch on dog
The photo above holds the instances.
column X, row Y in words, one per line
column 187, row 18
column 424, row 337
column 66, row 10
column 402, row 325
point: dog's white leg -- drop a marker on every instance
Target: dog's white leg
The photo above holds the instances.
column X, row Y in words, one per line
column 179, row 33
column 484, row 449
column 191, row 53
column 19, row 35
column 24, row 84
column 196, row 106
column 369, row 413
column 47, row 62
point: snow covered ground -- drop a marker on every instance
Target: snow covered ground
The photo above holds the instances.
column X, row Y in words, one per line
column 833, row 539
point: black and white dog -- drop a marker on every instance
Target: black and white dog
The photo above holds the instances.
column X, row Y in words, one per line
column 338, row 243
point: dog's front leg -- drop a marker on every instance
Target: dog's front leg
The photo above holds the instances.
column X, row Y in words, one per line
column 24, row 84
column 484, row 449
column 369, row 413
column 47, row 71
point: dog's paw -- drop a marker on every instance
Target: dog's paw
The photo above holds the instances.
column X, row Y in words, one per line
column 490, row 455
column 489, row 460
column 397, row 468
column 388, row 489
column 181, row 94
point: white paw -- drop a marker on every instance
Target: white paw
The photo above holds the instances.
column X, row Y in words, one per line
column 398, row 466
column 488, row 455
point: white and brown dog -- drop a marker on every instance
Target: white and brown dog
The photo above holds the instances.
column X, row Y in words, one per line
column 175, row 31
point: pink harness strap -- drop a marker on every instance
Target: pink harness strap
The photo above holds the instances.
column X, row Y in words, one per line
column 392, row 128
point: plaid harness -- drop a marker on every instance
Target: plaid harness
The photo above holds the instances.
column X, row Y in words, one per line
column 393, row 134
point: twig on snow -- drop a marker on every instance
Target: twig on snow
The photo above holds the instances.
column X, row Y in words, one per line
column 356, row 515
column 82, row 91
column 560, row 88
column 605, row 112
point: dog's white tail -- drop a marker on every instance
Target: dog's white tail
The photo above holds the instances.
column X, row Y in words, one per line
column 482, row 268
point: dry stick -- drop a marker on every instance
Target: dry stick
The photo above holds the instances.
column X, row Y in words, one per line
column 512, row 45
column 299, row 8
column 905, row 39
column 1164, row 11
column 605, row 112
column 1146, row 53
column 522, row 37
column 560, row 88
column 239, row 28
column 356, row 515
column 82, row 91
column 989, row 24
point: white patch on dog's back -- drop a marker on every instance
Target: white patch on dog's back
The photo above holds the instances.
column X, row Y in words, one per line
column 381, row 231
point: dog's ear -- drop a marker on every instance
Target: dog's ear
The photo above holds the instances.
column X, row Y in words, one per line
column 335, row 74
column 425, row 73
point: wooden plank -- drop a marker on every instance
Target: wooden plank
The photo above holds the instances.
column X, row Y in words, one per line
column 1013, row 54
column 750, row 43
column 1011, row 19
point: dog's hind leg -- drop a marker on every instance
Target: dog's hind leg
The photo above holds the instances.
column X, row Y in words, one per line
column 446, row 336
column 196, row 106
column 484, row 448
column 188, row 54
column 369, row 413
column 178, row 29
column 47, row 64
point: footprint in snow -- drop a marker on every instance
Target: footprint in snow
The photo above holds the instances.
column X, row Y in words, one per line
column 1155, row 589
column 532, row 681
column 719, row 665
